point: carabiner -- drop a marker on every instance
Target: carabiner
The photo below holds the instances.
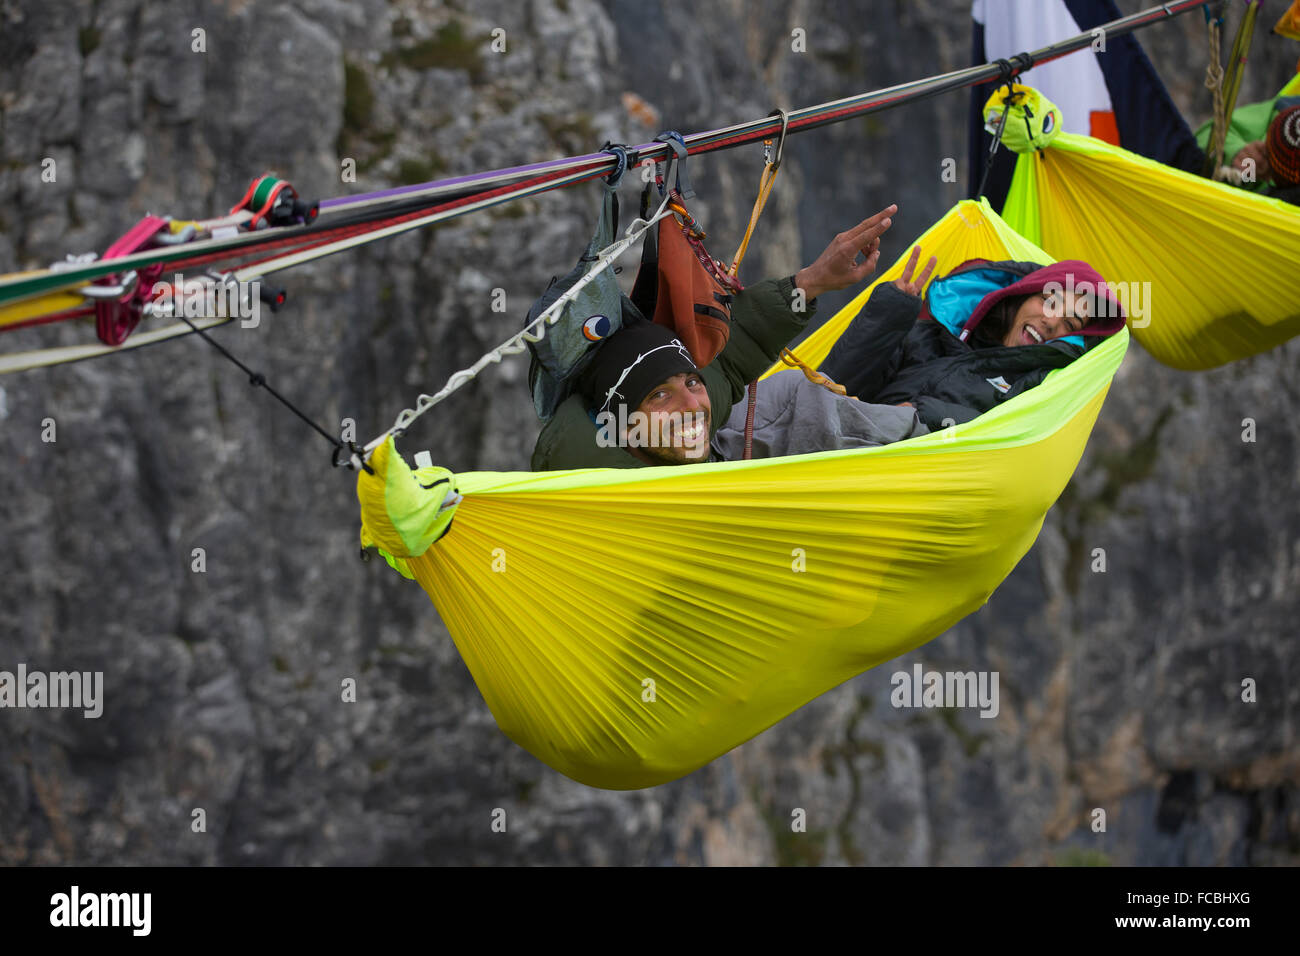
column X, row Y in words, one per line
column 780, row 145
column 623, row 160
column 126, row 286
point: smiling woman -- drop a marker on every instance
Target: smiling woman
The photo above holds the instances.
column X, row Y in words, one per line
column 980, row 335
column 1035, row 318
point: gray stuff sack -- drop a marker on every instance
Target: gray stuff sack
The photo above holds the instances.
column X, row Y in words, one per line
column 796, row 417
column 598, row 311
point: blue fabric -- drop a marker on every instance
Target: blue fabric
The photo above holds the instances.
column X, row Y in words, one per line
column 952, row 300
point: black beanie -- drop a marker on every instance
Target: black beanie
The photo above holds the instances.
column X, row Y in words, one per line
column 630, row 363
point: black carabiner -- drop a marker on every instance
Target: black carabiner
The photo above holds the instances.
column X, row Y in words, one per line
column 620, row 151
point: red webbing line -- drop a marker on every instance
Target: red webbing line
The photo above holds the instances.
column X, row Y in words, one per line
column 745, row 138
column 295, row 244
column 77, row 313
column 301, row 244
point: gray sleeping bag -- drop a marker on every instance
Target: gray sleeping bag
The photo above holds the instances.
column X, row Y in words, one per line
column 796, row 417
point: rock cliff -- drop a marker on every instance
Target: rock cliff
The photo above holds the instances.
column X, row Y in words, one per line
column 1120, row 689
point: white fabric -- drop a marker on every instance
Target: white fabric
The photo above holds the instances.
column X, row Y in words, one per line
column 1074, row 83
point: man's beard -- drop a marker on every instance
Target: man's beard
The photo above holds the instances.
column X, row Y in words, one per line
column 679, row 451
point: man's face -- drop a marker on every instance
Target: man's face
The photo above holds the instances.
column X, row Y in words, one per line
column 677, row 413
column 1041, row 318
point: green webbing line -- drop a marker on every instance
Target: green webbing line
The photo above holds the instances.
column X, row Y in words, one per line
column 263, row 191
column 1237, row 61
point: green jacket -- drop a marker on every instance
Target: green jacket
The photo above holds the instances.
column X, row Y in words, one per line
column 1248, row 124
column 762, row 323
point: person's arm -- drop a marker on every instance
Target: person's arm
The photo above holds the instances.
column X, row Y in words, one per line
column 766, row 316
column 870, row 351
column 1243, row 138
column 571, row 440
column 937, row 414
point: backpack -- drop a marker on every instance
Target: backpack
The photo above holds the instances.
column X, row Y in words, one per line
column 674, row 287
column 598, row 311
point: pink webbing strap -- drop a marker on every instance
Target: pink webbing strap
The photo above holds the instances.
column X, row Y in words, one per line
column 116, row 319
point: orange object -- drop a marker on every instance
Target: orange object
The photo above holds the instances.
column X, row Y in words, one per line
column 814, row 376
column 1289, row 25
column 641, row 111
column 1101, row 125
column 690, row 301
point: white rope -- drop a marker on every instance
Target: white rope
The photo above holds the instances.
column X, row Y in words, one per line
column 1214, row 82
column 534, row 331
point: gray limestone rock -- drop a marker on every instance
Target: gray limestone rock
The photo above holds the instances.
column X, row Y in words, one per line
column 1121, row 689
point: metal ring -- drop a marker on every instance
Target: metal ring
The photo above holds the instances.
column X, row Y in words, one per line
column 127, row 285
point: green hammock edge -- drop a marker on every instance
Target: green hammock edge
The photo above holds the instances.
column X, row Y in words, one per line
column 1029, row 417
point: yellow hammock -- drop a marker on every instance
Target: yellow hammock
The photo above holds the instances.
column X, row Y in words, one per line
column 627, row 626
column 1218, row 262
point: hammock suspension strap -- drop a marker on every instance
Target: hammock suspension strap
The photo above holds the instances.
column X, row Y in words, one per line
column 1011, row 70
column 258, row 380
column 771, row 163
column 1225, row 85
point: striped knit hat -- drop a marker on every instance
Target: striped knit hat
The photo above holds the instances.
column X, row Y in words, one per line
column 1284, row 147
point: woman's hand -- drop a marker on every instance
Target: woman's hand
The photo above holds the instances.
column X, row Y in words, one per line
column 906, row 283
column 838, row 267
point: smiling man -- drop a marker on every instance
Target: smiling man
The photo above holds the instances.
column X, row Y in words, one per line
column 643, row 402
column 648, row 371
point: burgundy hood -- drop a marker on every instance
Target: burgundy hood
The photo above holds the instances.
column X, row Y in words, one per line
column 1068, row 274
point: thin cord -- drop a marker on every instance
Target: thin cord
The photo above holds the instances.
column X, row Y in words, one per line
column 257, row 379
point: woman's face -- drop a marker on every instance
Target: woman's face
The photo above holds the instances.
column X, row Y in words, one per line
column 1048, row 316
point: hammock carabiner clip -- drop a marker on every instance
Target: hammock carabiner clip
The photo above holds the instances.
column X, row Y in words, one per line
column 780, row 143
column 356, row 460
column 624, row 157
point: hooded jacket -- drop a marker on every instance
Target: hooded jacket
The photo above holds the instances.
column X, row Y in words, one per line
column 762, row 323
column 901, row 348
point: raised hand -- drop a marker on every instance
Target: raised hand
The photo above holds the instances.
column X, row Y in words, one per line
column 838, row 267
column 906, row 283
